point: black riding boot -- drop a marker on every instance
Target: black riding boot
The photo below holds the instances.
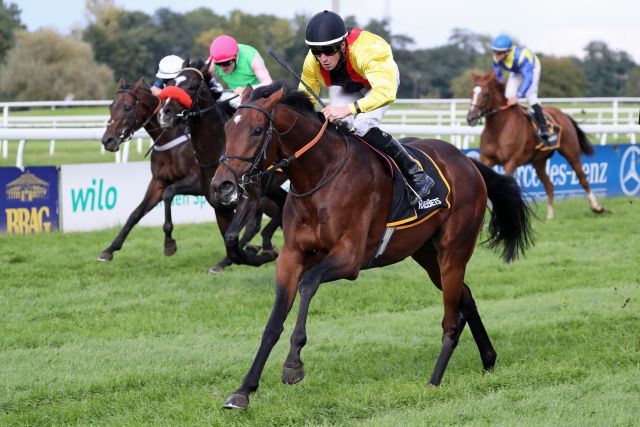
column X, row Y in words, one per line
column 549, row 140
column 420, row 182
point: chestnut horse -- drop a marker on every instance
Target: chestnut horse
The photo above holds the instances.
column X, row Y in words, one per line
column 508, row 139
column 191, row 102
column 174, row 169
column 337, row 210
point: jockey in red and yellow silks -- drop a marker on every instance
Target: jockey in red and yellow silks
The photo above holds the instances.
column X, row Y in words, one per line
column 363, row 78
column 368, row 61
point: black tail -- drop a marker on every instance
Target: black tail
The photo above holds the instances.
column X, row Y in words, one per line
column 510, row 224
column 585, row 146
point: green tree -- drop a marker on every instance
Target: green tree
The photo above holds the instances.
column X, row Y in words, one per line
column 462, row 85
column 45, row 65
column 632, row 86
column 128, row 42
column 606, row 70
column 561, row 77
column 199, row 22
column 9, row 23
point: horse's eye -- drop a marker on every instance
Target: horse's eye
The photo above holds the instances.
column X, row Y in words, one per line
column 127, row 107
column 256, row 132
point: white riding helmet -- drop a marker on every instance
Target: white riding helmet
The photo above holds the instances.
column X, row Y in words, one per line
column 169, row 67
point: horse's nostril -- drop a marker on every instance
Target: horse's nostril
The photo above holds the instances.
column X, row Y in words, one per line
column 226, row 187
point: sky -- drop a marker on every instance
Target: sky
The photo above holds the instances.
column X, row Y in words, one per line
column 552, row 27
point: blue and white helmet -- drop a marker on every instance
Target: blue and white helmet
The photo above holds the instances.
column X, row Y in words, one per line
column 502, row 43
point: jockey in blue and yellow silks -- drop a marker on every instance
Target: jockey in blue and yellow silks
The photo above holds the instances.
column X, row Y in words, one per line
column 358, row 68
column 524, row 67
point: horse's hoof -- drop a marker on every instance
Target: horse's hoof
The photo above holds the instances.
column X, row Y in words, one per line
column 216, row 269
column 292, row 375
column 489, row 361
column 236, row 401
column 598, row 209
column 170, row 248
column 272, row 253
column 105, row 257
column 252, row 249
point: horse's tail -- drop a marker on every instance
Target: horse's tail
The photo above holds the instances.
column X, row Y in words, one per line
column 510, row 224
column 585, row 146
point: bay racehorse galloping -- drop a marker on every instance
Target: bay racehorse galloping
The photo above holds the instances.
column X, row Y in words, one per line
column 173, row 168
column 336, row 213
column 508, row 138
column 191, row 102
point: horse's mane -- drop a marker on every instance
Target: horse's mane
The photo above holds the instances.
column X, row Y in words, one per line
column 294, row 98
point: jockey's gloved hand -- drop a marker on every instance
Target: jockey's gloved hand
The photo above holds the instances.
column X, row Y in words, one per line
column 342, row 127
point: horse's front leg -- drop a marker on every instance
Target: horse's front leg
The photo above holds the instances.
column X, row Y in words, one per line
column 288, row 272
column 224, row 217
column 188, row 185
column 540, row 167
column 340, row 263
column 151, row 198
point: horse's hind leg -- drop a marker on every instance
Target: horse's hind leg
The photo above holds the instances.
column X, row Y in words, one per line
column 480, row 336
column 539, row 167
column 268, row 230
column 187, row 185
column 460, row 309
column 576, row 165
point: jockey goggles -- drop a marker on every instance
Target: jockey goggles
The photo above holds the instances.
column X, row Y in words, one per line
column 324, row 50
column 225, row 63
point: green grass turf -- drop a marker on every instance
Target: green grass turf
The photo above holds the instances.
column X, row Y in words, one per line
column 149, row 340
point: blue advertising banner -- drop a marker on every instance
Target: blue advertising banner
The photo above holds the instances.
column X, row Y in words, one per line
column 614, row 170
column 29, row 200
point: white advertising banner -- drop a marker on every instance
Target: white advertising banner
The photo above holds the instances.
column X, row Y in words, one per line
column 103, row 195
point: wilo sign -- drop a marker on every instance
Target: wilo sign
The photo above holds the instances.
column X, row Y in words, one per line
column 96, row 196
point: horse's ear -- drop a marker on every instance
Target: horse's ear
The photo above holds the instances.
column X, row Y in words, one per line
column 275, row 97
column 475, row 76
column 246, row 94
column 138, row 83
column 205, row 68
column 492, row 75
column 122, row 83
column 186, row 62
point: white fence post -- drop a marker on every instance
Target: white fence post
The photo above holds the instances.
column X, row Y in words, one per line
column 5, row 123
column 20, row 155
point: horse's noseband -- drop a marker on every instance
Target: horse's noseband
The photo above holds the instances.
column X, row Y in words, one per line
column 250, row 177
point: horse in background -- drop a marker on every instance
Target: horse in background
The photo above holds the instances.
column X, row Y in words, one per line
column 173, row 167
column 335, row 218
column 508, row 138
column 192, row 103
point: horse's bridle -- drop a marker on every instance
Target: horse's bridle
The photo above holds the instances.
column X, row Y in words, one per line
column 250, row 177
column 482, row 109
column 187, row 112
column 130, row 129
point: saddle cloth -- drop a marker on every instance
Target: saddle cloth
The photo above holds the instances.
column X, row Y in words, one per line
column 554, row 129
column 402, row 214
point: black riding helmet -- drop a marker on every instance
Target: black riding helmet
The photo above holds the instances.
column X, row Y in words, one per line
column 325, row 29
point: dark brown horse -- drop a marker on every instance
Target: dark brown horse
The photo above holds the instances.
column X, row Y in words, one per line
column 174, row 169
column 190, row 102
column 508, row 138
column 337, row 211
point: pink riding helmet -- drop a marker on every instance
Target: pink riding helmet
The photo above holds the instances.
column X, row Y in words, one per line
column 223, row 48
